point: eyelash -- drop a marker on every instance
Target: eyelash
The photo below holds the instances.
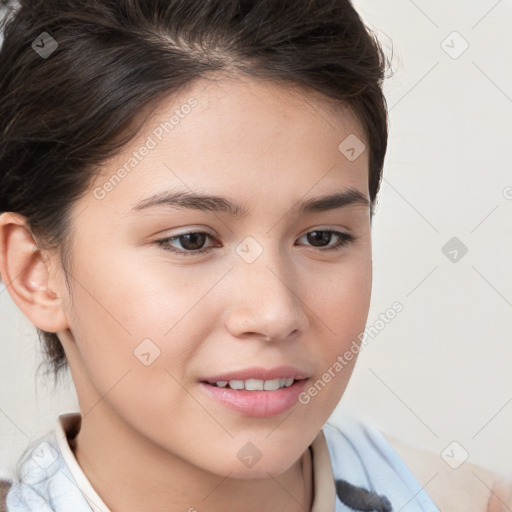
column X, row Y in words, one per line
column 344, row 240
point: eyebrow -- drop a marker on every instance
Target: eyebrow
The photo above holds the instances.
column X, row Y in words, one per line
column 217, row 204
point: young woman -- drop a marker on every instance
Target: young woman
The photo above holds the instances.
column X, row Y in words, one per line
column 187, row 189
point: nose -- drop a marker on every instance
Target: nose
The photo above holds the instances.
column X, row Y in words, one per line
column 264, row 299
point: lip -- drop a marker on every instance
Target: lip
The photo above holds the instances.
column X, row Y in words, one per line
column 256, row 404
column 258, row 372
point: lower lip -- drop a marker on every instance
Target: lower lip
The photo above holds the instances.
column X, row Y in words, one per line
column 257, row 404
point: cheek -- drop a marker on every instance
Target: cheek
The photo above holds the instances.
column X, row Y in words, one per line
column 341, row 298
column 133, row 330
column 342, row 305
column 140, row 297
column 134, row 353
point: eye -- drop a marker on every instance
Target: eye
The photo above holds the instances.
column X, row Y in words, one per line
column 321, row 236
column 192, row 242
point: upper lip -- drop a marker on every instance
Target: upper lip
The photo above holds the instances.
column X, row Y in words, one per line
column 260, row 373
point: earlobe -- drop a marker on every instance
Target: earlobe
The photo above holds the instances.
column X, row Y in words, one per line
column 26, row 275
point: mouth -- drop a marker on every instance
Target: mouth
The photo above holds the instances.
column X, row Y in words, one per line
column 257, row 392
column 257, row 403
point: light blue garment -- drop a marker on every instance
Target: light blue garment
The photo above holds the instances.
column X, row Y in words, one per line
column 362, row 456
column 44, row 482
column 359, row 455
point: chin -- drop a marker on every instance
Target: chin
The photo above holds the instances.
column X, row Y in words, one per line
column 258, row 471
column 251, row 462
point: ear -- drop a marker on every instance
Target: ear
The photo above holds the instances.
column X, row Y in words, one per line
column 26, row 275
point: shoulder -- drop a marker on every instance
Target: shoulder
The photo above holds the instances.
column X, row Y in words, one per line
column 468, row 487
column 361, row 456
column 366, row 457
column 42, row 481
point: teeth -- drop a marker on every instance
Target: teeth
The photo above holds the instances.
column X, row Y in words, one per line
column 272, row 385
column 256, row 384
column 236, row 384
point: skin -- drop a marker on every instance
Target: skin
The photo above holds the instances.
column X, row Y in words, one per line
column 151, row 439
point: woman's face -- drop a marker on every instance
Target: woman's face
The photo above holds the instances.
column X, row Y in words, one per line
column 148, row 327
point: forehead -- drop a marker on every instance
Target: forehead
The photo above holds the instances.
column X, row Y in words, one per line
column 274, row 105
column 248, row 137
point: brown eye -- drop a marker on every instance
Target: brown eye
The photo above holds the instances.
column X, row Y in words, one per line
column 191, row 243
column 321, row 239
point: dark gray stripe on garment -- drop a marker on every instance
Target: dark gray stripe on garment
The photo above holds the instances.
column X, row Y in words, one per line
column 358, row 498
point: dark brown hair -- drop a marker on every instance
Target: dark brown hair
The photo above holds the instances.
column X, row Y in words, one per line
column 61, row 116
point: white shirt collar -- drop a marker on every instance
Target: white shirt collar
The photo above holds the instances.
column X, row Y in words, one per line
column 68, row 425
